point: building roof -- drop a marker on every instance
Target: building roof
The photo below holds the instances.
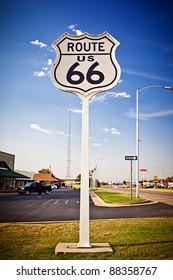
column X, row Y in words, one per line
column 6, row 172
column 45, row 177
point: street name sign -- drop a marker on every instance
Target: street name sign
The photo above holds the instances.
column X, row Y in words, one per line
column 85, row 65
column 130, row 157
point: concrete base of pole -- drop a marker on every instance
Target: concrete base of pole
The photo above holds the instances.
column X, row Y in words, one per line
column 73, row 248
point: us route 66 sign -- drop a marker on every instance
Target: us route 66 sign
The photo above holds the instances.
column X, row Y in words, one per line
column 85, row 64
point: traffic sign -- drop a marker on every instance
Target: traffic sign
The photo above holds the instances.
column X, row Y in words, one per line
column 130, row 157
column 85, row 64
column 143, row 169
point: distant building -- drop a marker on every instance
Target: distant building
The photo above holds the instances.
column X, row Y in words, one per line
column 68, row 181
column 46, row 178
column 26, row 173
column 8, row 158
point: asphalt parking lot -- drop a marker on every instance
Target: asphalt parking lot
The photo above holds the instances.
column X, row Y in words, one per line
column 64, row 205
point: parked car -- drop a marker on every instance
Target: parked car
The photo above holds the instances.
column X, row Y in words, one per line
column 170, row 185
column 53, row 186
column 76, row 186
column 33, row 187
column 161, row 186
column 56, row 186
column 148, row 186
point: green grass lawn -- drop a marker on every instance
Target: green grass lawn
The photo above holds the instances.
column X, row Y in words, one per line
column 115, row 197
column 131, row 239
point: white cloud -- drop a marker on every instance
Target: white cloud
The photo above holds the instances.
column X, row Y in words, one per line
column 105, row 129
column 40, row 74
column 59, row 132
column 76, row 111
column 37, row 127
column 71, row 26
column 45, row 68
column 49, row 61
column 98, row 98
column 38, row 43
column 111, row 130
column 147, row 116
column 77, row 31
column 119, row 94
column 103, row 97
column 97, row 144
column 44, row 72
column 114, row 131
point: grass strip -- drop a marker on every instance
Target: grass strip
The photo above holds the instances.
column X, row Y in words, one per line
column 131, row 239
column 115, row 197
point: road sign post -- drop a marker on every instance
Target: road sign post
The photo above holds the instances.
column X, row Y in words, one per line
column 143, row 170
column 85, row 65
column 84, row 240
column 131, row 172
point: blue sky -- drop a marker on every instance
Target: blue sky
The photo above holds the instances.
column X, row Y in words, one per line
column 34, row 113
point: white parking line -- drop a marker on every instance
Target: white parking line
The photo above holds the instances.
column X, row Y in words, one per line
column 56, row 201
column 47, row 201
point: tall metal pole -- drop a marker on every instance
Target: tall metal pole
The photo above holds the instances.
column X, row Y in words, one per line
column 137, row 129
column 137, row 143
column 84, row 192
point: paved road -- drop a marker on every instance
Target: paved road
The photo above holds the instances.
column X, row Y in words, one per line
column 165, row 196
column 64, row 205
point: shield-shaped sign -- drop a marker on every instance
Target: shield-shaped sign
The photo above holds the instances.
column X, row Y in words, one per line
column 85, row 64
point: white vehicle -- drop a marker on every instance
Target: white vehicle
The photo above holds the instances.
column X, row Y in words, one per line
column 170, row 185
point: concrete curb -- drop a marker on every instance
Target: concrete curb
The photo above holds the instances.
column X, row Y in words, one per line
column 99, row 202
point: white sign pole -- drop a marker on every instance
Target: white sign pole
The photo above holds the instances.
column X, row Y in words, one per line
column 85, row 65
column 84, row 191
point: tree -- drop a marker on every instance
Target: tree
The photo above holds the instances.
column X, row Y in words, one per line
column 169, row 179
column 78, row 178
column 44, row 171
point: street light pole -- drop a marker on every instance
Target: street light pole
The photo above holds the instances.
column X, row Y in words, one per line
column 137, row 129
column 137, row 143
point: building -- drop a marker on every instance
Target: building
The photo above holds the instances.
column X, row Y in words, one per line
column 26, row 173
column 10, row 179
column 8, row 158
column 46, row 178
column 69, row 182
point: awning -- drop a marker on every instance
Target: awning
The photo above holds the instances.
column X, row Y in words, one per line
column 5, row 173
